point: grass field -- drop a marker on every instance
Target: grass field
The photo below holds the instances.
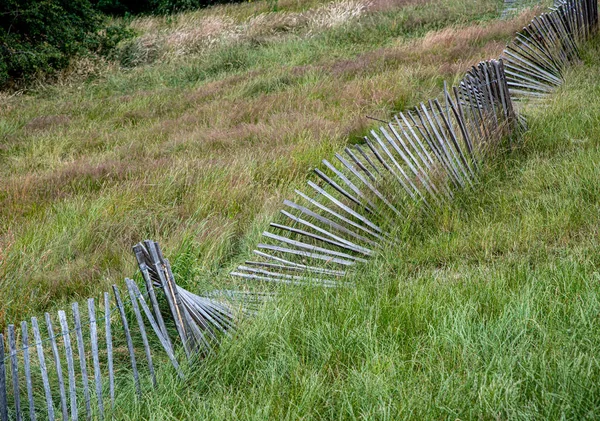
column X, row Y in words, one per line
column 194, row 143
column 489, row 311
column 205, row 121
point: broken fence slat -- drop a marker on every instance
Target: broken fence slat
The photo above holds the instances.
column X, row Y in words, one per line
column 166, row 345
column 125, row 324
column 142, row 327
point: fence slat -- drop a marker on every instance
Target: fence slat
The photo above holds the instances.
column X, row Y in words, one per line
column 3, row 392
column 138, row 250
column 142, row 328
column 136, row 376
column 62, row 317
column 170, row 300
column 14, row 367
column 43, row 370
column 166, row 345
column 95, row 357
column 58, row 367
column 82, row 360
column 109, row 350
column 27, row 368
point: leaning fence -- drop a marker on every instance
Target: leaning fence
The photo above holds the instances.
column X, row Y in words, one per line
column 72, row 365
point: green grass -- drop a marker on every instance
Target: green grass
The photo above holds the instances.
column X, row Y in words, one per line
column 490, row 310
column 198, row 152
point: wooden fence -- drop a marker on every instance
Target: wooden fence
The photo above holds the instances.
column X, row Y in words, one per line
column 420, row 158
column 72, row 366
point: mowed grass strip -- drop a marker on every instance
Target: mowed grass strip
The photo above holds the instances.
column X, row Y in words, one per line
column 200, row 163
column 488, row 311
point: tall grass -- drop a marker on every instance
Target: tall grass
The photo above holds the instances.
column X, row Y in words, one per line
column 198, row 153
column 488, row 311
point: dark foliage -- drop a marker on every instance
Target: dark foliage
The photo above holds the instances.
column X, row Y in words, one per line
column 124, row 7
column 41, row 36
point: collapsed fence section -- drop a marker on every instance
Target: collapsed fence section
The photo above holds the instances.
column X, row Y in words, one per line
column 350, row 209
column 538, row 56
column 419, row 158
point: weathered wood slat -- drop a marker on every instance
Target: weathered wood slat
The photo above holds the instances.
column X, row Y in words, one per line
column 339, row 174
column 329, row 241
column 95, row 356
column 340, row 189
column 142, row 327
column 308, row 268
column 58, row 368
column 170, row 298
column 166, row 345
column 310, row 247
column 43, row 370
column 323, row 231
column 14, row 368
column 345, row 208
column 329, row 223
column 194, row 336
column 27, row 369
column 335, row 214
column 139, row 253
column 109, row 350
column 125, row 324
column 3, row 390
column 62, row 317
column 82, row 360
column 306, row 254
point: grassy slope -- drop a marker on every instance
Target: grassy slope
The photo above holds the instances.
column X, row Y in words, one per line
column 491, row 311
column 198, row 152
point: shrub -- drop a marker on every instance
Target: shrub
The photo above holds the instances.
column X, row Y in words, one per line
column 41, row 35
column 123, row 7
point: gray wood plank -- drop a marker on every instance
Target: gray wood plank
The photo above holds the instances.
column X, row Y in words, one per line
column 43, row 370
column 62, row 317
column 58, row 367
column 344, row 245
column 14, row 367
column 95, row 357
column 323, row 231
column 190, row 329
column 109, row 350
column 308, row 268
column 82, row 360
column 154, row 302
column 166, row 345
column 3, row 391
column 310, row 247
column 136, row 376
column 142, row 327
column 27, row 369
column 160, row 271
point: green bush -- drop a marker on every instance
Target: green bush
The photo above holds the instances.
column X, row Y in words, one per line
column 41, row 36
column 123, row 7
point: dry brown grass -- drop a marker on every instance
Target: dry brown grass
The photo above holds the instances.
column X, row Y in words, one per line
column 194, row 33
